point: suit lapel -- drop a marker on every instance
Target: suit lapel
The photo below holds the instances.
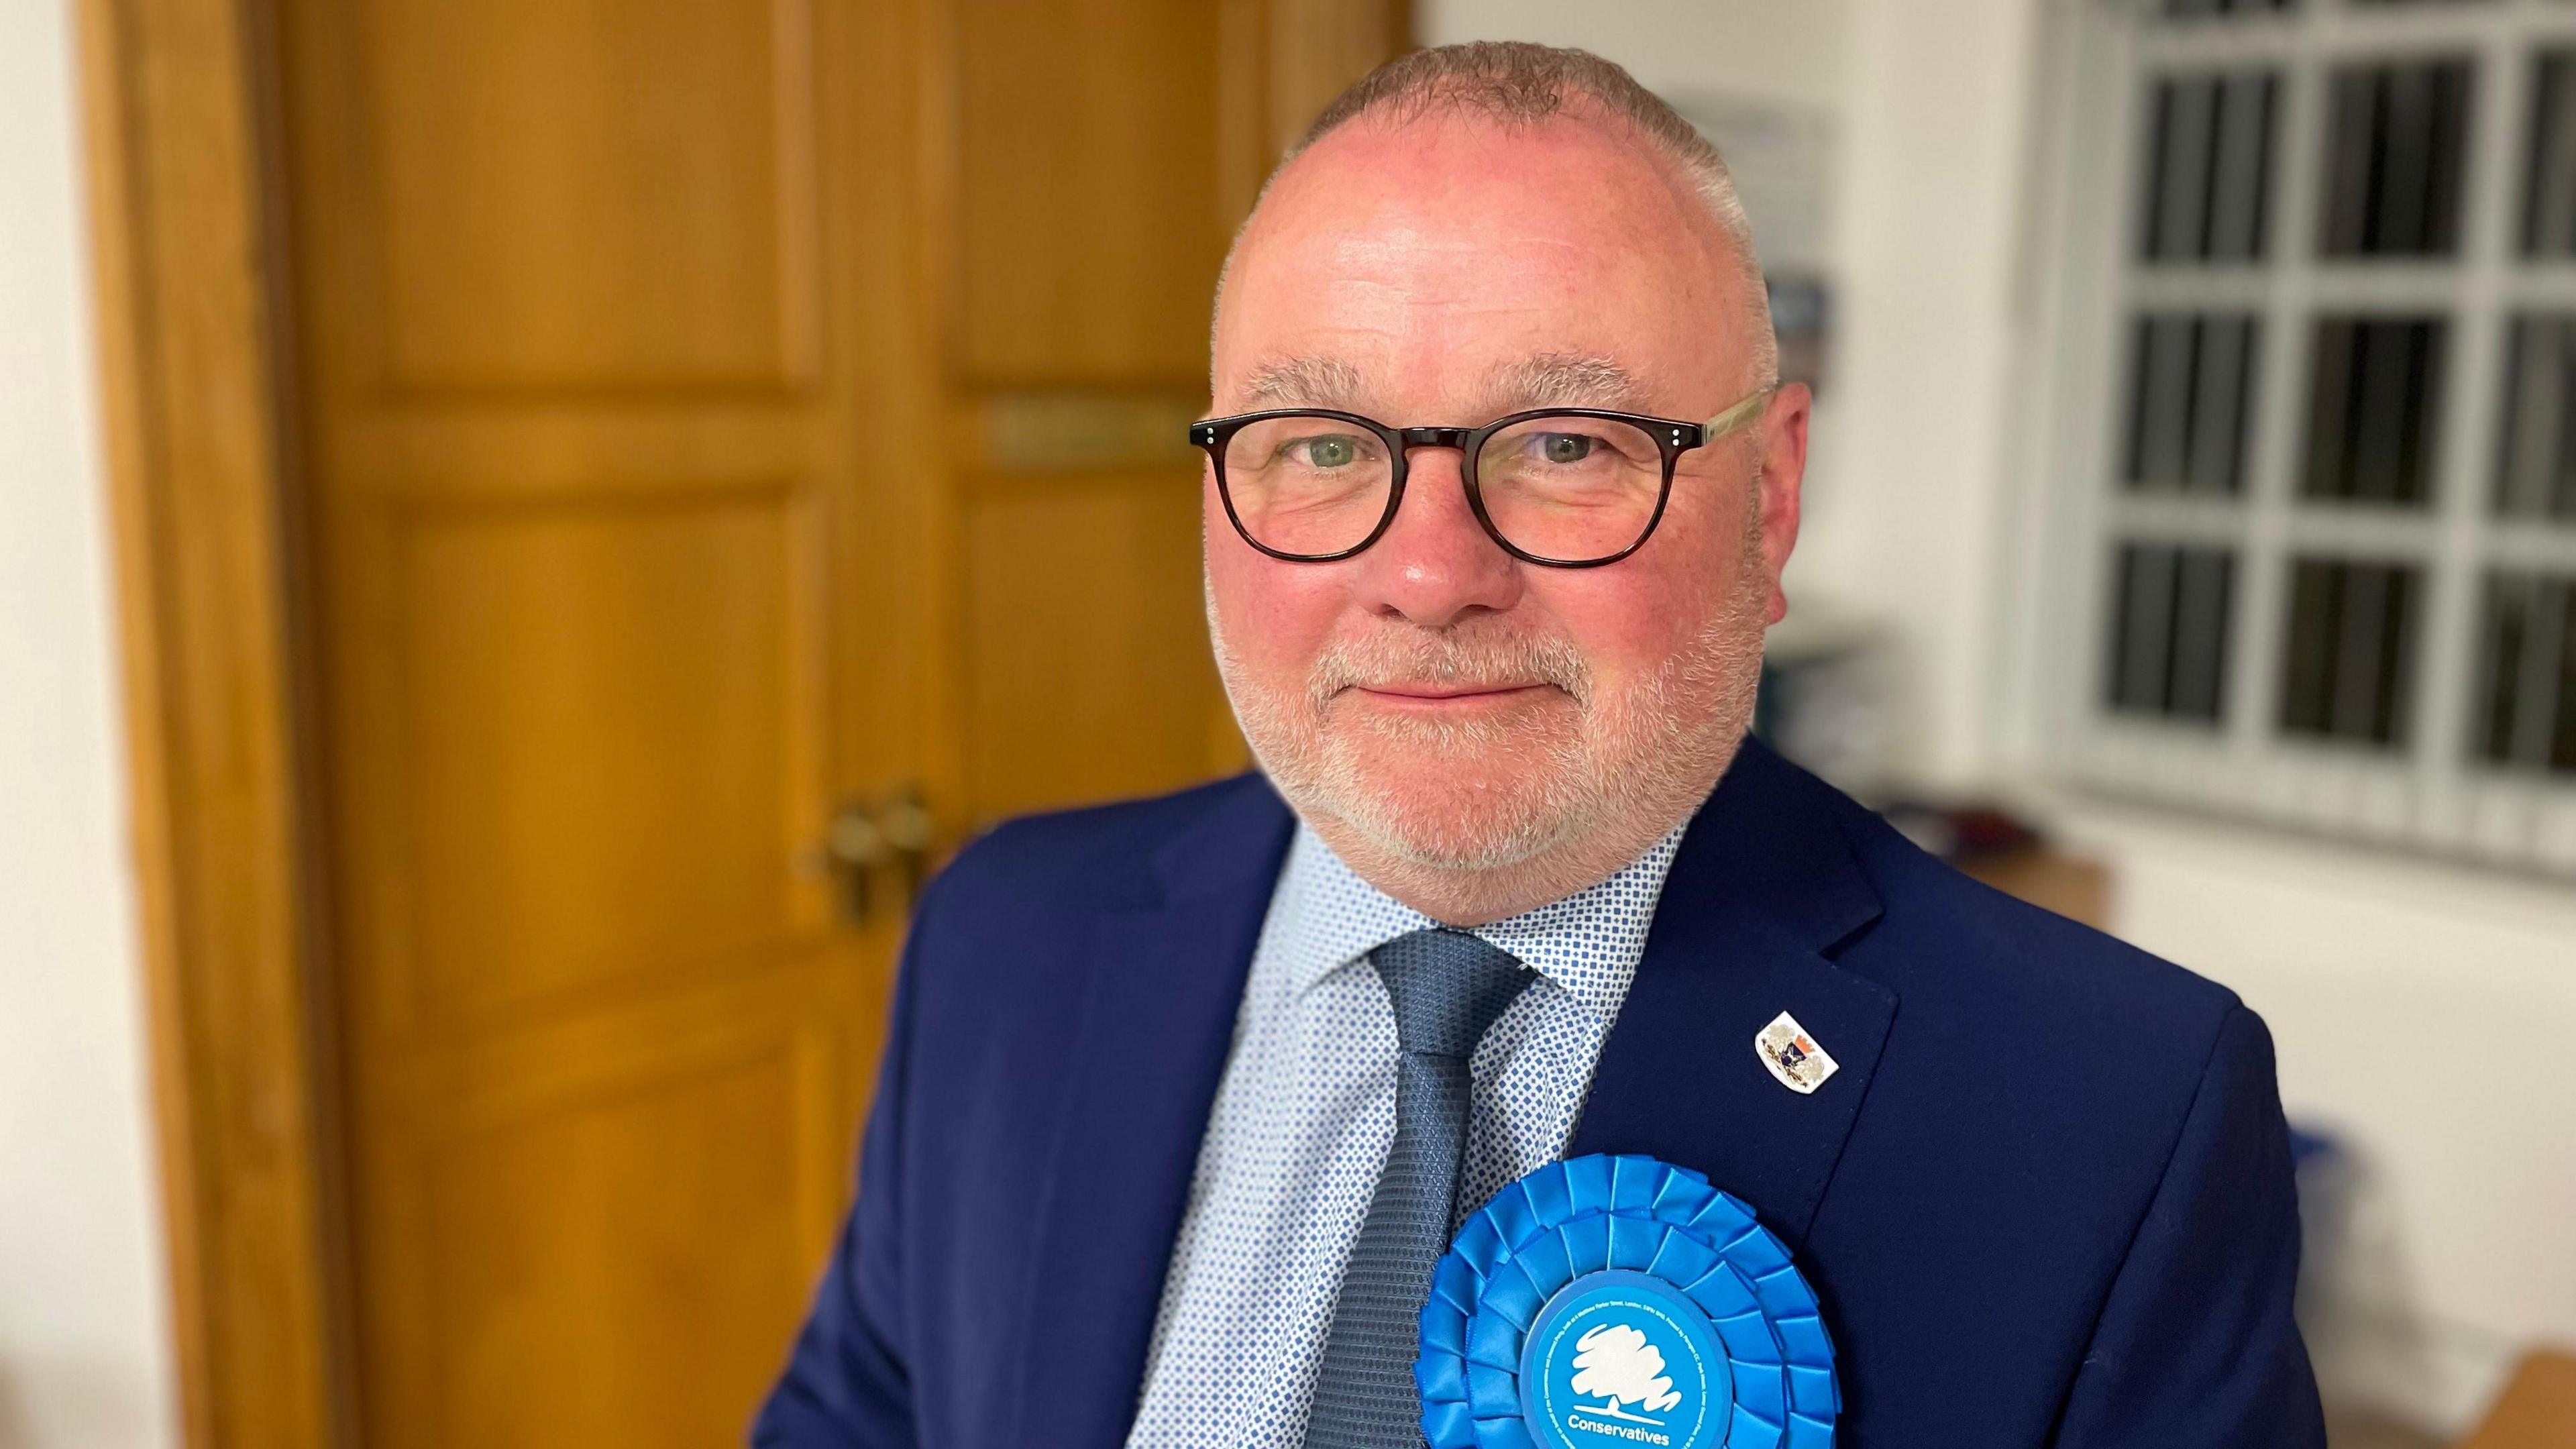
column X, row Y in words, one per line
column 1150, row 1046
column 1762, row 892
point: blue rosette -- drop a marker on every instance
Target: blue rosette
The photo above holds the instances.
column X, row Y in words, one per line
column 1613, row 1301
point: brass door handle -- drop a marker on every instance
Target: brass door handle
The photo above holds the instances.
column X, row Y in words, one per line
column 870, row 834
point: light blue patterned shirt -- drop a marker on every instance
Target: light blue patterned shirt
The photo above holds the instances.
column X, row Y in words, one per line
column 1303, row 1118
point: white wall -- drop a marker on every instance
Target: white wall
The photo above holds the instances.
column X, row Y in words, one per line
column 1796, row 52
column 82, row 1320
column 1903, row 525
column 2427, row 1015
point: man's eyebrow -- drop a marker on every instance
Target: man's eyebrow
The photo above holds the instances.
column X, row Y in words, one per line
column 1541, row 380
column 1307, row 382
column 1565, row 380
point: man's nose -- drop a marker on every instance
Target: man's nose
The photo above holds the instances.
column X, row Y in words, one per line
column 1436, row 564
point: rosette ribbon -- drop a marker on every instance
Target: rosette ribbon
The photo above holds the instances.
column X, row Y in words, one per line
column 1605, row 1277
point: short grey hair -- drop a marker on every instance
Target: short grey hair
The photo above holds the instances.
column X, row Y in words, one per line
column 1517, row 84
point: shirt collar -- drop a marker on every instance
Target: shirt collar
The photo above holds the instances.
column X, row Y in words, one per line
column 1586, row 944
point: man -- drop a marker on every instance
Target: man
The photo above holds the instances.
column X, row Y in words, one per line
column 1183, row 1098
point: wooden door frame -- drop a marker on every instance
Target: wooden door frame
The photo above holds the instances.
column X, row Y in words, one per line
column 189, row 278
column 186, row 275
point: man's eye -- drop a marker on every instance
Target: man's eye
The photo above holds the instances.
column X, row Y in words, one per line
column 1327, row 452
column 1564, row 447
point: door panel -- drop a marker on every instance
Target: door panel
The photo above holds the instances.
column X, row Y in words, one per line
column 528, row 160
column 611, row 768
column 1114, row 697
column 559, row 1331
column 1088, row 167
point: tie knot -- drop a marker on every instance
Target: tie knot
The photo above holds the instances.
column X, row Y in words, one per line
column 1447, row 987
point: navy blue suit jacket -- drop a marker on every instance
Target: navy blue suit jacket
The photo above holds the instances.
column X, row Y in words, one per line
column 2046, row 1199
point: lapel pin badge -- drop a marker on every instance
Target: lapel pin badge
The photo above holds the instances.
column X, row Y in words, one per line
column 1792, row 1056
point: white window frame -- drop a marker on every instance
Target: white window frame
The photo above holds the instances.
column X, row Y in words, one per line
column 2084, row 286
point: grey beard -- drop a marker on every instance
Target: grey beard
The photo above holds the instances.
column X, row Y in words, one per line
column 1648, row 753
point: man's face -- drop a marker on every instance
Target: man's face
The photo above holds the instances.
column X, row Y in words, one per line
column 1452, row 705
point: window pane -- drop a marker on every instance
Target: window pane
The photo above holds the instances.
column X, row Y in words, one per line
column 2209, row 176
column 2549, row 198
column 2191, row 381
column 2169, row 631
column 2526, row 701
column 2393, row 159
column 2538, row 459
column 2372, row 395
column 2348, row 662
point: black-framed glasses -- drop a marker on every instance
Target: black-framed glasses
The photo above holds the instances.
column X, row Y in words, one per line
column 1570, row 488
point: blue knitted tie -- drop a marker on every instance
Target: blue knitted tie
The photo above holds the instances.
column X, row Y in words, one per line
column 1447, row 987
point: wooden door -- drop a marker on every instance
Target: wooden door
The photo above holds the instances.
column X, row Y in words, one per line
column 1096, row 157
column 711, row 412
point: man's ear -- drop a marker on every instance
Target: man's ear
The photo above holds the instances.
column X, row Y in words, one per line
column 1784, row 472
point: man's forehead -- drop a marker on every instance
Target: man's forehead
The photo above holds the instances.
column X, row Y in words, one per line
column 1469, row 267
column 1538, row 379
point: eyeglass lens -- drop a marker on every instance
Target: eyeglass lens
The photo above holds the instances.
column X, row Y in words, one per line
column 1570, row 488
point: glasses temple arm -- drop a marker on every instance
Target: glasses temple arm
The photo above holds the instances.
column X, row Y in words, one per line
column 1736, row 416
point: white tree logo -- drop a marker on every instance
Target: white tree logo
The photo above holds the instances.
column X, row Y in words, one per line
column 1616, row 1365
